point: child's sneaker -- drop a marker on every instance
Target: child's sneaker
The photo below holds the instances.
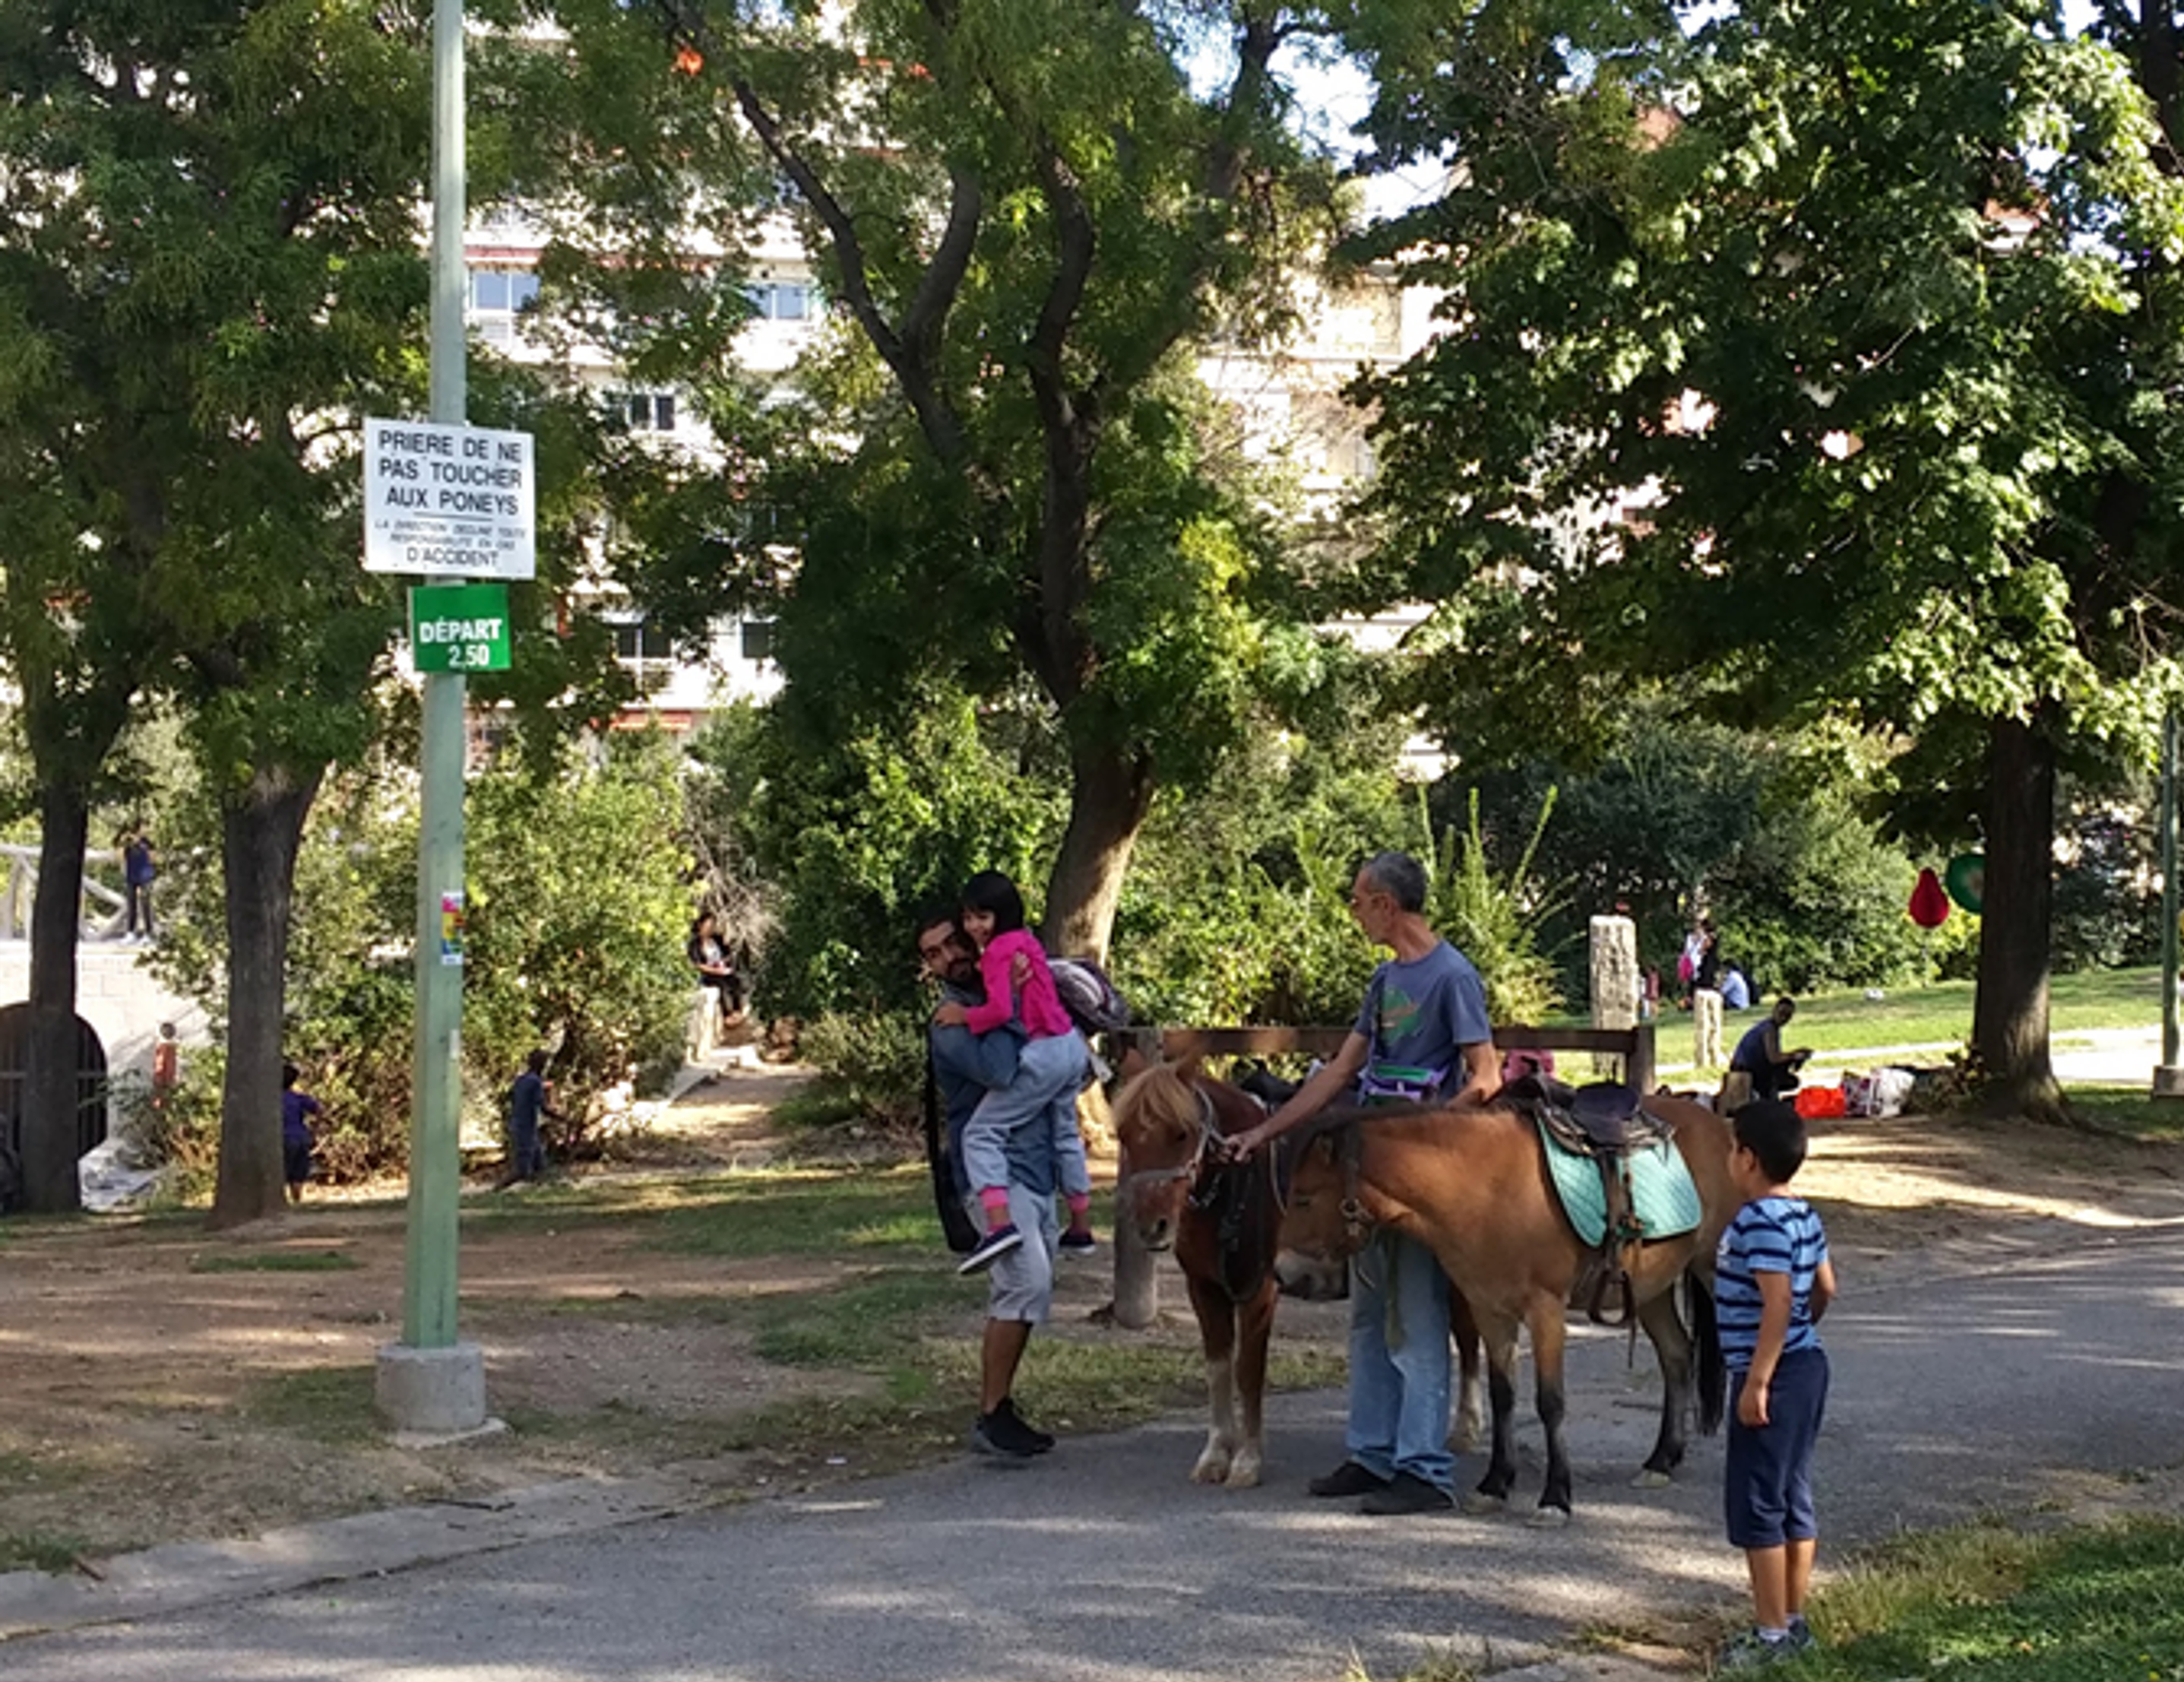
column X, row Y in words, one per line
column 1752, row 1650
column 1078, row 1241
column 1800, row 1633
column 991, row 1248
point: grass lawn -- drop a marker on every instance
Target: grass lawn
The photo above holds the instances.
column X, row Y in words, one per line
column 1942, row 1014
column 1985, row 1603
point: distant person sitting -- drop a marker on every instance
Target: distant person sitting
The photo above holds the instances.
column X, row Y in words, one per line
column 708, row 956
column 1759, row 1053
column 1735, row 990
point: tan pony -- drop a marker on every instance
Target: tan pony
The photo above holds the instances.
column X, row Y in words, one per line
column 1474, row 1186
column 1222, row 1222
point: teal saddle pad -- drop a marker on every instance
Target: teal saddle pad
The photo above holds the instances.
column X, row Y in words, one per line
column 1661, row 1188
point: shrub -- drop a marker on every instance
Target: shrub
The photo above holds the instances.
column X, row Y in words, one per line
column 873, row 1060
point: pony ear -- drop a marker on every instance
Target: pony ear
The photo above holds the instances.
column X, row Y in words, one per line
column 1191, row 1067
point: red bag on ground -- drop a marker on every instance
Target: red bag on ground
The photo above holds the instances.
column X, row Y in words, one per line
column 1819, row 1103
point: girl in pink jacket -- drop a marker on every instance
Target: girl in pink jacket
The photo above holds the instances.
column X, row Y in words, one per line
column 1051, row 1070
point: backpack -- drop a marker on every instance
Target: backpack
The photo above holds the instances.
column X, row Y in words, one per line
column 1091, row 999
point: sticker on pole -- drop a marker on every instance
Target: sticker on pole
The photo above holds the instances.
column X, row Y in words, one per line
column 451, row 930
column 449, row 502
column 459, row 627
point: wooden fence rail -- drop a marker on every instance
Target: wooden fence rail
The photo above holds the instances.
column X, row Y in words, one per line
column 1137, row 1276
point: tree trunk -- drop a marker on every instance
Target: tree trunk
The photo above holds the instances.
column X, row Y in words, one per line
column 261, row 828
column 49, row 1076
column 2009, row 1014
column 1111, row 790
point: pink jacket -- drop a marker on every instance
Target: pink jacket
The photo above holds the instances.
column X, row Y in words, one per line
column 1044, row 1018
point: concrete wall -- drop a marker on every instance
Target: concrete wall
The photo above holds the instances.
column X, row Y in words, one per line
column 118, row 997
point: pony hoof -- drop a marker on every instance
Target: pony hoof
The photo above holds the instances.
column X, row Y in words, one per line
column 1651, row 1479
column 1548, row 1517
column 1212, row 1469
column 1479, row 1506
column 1244, row 1474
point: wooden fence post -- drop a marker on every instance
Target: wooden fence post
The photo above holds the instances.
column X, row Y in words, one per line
column 1137, row 1269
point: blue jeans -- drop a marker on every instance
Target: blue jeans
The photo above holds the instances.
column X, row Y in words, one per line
column 1049, row 1074
column 1399, row 1373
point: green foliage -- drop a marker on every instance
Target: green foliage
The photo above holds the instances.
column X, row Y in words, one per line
column 1765, row 833
column 578, row 910
column 1493, row 916
column 874, row 1062
column 579, row 907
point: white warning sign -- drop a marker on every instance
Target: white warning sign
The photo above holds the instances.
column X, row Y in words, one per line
column 449, row 502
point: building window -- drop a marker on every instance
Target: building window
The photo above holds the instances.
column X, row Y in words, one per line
column 758, row 639
column 643, row 411
column 497, row 298
column 641, row 640
column 781, row 300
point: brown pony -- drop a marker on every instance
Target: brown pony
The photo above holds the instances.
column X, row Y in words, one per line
column 1473, row 1185
column 1223, row 1222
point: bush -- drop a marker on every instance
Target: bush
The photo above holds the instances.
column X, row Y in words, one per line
column 873, row 1060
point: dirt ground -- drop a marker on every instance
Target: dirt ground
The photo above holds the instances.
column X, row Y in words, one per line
column 151, row 1396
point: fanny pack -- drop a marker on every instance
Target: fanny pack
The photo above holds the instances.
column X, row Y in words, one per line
column 1399, row 1084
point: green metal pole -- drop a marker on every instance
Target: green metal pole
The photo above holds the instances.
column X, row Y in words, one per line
column 429, row 1284
column 2169, row 889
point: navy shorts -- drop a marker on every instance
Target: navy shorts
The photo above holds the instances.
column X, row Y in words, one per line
column 1768, row 1489
column 296, row 1161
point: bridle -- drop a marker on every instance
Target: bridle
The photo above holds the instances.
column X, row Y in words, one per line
column 1209, row 1133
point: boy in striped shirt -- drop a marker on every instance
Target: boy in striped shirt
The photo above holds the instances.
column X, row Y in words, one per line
column 1773, row 1281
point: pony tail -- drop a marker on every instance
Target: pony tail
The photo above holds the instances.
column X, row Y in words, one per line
column 1713, row 1371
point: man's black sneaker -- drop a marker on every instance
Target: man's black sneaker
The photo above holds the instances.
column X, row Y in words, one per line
column 1002, row 1434
column 991, row 1248
column 1349, row 1479
column 1041, row 1441
column 1406, row 1494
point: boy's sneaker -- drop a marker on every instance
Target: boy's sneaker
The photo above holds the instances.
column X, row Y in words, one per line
column 1752, row 1650
column 1076, row 1241
column 1002, row 1434
column 1800, row 1633
column 1041, row 1441
column 991, row 1248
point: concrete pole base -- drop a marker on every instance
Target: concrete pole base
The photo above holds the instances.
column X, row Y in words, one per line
column 431, row 1393
column 2168, row 1081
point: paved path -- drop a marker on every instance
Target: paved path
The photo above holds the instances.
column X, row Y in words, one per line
column 1101, row 1564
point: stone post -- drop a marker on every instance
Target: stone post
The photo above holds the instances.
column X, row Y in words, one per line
column 1706, row 1028
column 1137, row 1269
column 1617, row 985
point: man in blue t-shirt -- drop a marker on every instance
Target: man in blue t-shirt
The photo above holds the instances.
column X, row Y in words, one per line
column 1423, row 1034
column 1760, row 1055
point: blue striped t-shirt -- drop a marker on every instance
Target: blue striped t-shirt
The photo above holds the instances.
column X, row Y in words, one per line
column 1769, row 1235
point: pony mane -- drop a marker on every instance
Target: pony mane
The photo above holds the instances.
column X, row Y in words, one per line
column 1159, row 1093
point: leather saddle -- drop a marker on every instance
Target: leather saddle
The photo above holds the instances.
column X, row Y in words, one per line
column 1607, row 1122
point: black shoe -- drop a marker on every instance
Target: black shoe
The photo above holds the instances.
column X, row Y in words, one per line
column 991, row 1248
column 1406, row 1494
column 1349, row 1479
column 1077, row 1243
column 1003, row 1434
column 1041, row 1441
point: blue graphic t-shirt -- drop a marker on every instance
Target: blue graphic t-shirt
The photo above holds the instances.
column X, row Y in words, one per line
column 1422, row 1014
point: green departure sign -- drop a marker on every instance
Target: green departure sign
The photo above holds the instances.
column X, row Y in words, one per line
column 459, row 627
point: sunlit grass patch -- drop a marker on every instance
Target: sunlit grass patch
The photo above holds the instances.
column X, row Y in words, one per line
column 274, row 1261
column 1991, row 1604
column 40, row 1550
